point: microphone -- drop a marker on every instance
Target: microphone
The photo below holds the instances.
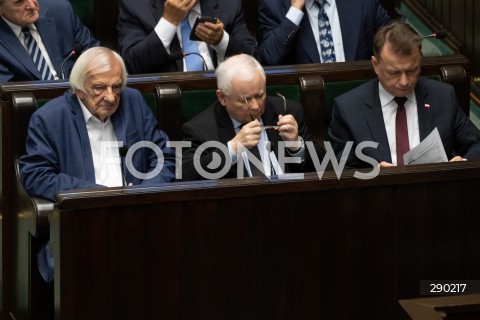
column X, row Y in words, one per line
column 436, row 35
column 177, row 55
column 123, row 150
column 75, row 51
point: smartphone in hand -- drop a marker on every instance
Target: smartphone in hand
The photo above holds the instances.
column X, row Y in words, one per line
column 200, row 19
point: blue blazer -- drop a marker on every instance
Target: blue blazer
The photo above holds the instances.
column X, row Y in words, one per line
column 357, row 116
column 143, row 51
column 60, row 29
column 58, row 149
column 285, row 43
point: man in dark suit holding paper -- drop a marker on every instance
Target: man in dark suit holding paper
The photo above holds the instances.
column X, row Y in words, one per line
column 370, row 112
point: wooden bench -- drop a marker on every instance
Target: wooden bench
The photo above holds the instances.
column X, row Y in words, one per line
column 174, row 98
column 26, row 219
column 254, row 249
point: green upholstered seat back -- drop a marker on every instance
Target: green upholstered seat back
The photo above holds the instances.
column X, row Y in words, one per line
column 195, row 101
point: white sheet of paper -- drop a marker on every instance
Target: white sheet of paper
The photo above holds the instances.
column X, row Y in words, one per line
column 430, row 150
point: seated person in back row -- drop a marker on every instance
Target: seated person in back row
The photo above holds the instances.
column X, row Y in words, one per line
column 46, row 26
column 69, row 138
column 314, row 31
column 153, row 34
column 399, row 108
column 245, row 118
column 74, row 141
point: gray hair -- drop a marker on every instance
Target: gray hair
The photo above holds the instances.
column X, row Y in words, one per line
column 241, row 66
column 94, row 61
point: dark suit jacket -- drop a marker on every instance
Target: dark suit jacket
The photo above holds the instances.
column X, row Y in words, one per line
column 214, row 124
column 285, row 43
column 357, row 116
column 60, row 29
column 144, row 52
column 59, row 155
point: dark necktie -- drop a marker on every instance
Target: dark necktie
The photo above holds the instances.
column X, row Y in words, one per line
column 326, row 39
column 255, row 171
column 401, row 130
column 36, row 55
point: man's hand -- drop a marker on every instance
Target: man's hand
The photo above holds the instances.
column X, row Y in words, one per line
column 456, row 158
column 175, row 10
column 385, row 164
column 288, row 130
column 209, row 32
column 249, row 136
column 299, row 4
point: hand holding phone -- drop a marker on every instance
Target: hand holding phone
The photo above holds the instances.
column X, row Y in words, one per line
column 200, row 19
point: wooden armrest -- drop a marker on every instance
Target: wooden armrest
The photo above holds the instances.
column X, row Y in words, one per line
column 43, row 210
column 34, row 211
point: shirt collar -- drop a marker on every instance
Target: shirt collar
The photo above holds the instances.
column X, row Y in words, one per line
column 236, row 123
column 309, row 3
column 386, row 98
column 17, row 30
column 196, row 9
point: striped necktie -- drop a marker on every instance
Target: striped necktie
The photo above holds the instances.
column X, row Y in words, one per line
column 36, row 55
column 326, row 39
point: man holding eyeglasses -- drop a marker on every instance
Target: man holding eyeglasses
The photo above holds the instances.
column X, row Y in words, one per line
column 81, row 139
column 245, row 119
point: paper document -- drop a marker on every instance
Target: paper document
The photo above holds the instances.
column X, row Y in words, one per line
column 430, row 150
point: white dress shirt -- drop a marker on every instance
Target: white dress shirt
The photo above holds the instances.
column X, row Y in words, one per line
column 105, row 152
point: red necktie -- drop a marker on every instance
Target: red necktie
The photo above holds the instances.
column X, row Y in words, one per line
column 401, row 130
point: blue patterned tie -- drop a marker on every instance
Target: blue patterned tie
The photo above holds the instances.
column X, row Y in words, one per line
column 36, row 55
column 326, row 40
column 190, row 49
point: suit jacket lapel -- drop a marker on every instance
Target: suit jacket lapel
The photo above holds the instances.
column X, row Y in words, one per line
column 306, row 39
column 349, row 14
column 12, row 44
column 210, row 8
column 47, row 30
column 81, row 128
column 425, row 119
column 226, row 131
column 375, row 122
column 120, row 128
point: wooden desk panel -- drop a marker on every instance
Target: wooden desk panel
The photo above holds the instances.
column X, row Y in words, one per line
column 251, row 249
